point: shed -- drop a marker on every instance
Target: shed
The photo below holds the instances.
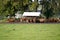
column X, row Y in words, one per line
column 31, row 16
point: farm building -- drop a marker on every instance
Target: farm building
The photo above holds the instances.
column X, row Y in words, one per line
column 30, row 16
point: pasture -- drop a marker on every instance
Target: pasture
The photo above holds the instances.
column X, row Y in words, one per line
column 29, row 31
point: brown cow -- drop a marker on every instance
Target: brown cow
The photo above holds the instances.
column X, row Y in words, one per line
column 42, row 20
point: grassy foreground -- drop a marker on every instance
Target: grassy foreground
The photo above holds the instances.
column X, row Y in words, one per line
column 29, row 31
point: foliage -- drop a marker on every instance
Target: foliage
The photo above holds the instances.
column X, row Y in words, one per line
column 12, row 6
column 48, row 9
column 33, row 6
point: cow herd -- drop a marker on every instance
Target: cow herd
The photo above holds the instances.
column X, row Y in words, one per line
column 34, row 20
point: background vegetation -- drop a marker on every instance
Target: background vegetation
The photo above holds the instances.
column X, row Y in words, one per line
column 10, row 7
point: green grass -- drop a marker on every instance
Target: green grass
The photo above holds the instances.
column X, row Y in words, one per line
column 29, row 31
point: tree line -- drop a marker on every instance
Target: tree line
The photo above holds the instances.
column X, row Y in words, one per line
column 10, row 7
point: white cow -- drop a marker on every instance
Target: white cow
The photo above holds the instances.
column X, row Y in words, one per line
column 18, row 15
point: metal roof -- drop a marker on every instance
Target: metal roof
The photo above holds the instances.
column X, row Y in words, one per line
column 31, row 13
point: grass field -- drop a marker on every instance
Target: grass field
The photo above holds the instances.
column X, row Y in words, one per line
column 29, row 31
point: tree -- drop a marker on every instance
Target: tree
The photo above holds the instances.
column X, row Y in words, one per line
column 48, row 13
column 33, row 6
column 48, row 10
column 11, row 7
